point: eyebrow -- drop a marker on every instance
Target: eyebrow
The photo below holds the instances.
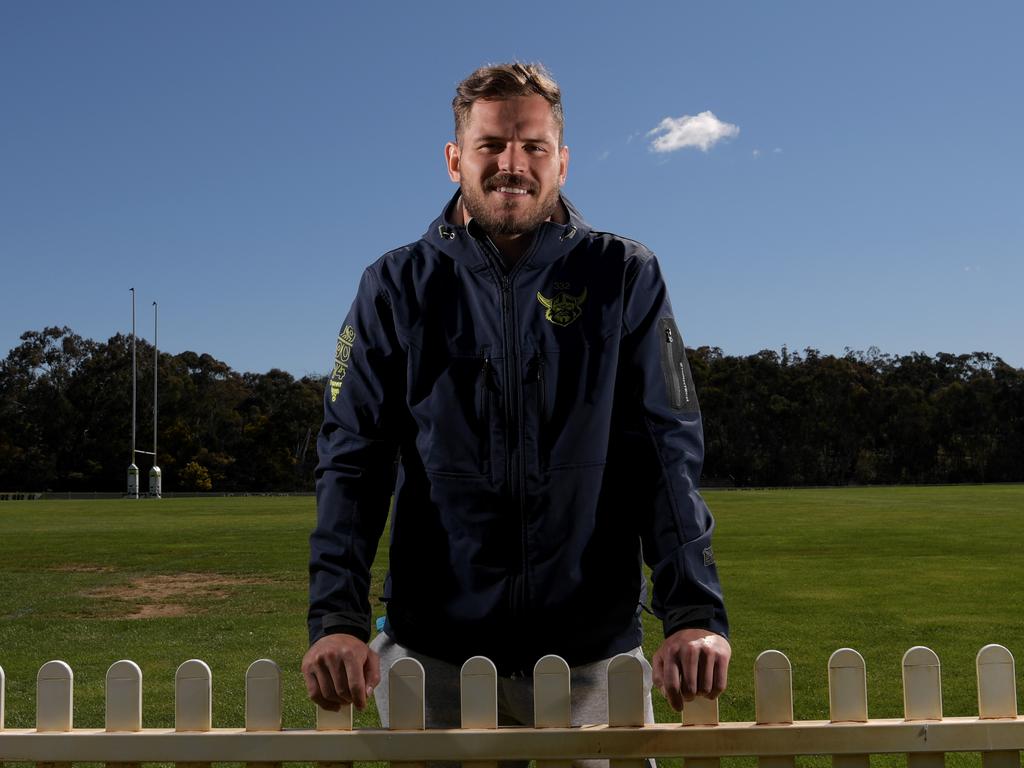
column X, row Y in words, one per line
column 504, row 138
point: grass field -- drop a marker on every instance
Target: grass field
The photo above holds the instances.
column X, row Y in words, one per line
column 805, row 572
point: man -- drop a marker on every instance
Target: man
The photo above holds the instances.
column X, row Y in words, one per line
column 516, row 380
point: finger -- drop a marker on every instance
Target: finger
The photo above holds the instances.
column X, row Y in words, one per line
column 657, row 676
column 691, row 659
column 333, row 677
column 707, row 670
column 721, row 677
column 671, row 684
column 327, row 696
column 312, row 687
column 356, row 692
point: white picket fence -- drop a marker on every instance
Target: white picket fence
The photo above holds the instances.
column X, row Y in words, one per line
column 849, row 736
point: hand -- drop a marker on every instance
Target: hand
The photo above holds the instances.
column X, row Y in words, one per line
column 690, row 663
column 340, row 669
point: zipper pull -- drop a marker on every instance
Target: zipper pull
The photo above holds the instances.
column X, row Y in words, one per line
column 668, row 336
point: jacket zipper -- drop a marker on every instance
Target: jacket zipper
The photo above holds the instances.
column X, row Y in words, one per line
column 542, row 409
column 513, row 408
column 668, row 366
column 487, row 371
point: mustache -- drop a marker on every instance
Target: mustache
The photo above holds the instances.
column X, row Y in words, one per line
column 509, row 180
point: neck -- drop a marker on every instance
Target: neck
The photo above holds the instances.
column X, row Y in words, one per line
column 511, row 247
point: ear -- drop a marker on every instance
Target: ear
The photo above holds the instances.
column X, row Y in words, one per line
column 451, row 156
column 563, row 164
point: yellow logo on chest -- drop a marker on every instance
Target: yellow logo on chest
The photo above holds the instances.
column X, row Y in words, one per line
column 562, row 309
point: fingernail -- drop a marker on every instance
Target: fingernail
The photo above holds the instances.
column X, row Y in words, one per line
column 369, row 691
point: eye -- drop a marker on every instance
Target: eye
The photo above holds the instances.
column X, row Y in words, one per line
column 535, row 148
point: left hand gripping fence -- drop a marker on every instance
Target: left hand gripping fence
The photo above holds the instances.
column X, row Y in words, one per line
column 849, row 736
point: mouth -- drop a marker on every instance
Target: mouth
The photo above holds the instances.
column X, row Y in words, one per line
column 512, row 191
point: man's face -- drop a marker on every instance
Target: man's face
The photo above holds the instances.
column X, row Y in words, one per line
column 510, row 164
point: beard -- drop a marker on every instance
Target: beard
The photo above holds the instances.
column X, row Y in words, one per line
column 509, row 217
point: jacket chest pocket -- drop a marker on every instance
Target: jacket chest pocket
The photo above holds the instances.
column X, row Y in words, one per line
column 455, row 402
column 567, row 396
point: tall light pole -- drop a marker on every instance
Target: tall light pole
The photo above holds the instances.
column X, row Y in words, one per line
column 133, row 470
column 154, row 473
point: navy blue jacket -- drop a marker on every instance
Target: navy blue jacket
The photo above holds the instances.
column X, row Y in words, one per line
column 538, row 428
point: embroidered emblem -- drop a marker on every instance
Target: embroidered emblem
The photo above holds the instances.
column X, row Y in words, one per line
column 346, row 339
column 709, row 556
column 563, row 308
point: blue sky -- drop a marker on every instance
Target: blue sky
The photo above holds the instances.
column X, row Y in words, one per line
column 241, row 162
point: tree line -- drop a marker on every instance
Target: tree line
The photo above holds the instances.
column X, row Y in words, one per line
column 770, row 419
column 65, row 419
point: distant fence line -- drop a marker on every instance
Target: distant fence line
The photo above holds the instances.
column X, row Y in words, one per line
column 849, row 736
column 83, row 495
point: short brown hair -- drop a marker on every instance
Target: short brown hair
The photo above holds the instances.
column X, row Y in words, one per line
column 496, row 82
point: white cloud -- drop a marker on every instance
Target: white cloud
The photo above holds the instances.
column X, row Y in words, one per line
column 702, row 131
column 757, row 153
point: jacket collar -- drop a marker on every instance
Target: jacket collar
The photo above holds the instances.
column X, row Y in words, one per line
column 465, row 244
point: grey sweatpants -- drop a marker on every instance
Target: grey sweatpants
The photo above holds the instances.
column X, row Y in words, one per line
column 588, row 692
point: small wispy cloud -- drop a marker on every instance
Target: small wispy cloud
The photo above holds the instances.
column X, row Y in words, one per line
column 756, row 153
column 701, row 131
column 603, row 156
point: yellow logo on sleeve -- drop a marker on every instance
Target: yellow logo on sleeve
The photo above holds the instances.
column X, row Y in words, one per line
column 342, row 355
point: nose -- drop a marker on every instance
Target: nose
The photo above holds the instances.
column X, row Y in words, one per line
column 512, row 159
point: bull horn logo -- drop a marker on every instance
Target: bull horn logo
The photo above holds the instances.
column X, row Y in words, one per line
column 563, row 309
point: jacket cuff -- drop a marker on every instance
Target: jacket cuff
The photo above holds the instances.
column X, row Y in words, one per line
column 694, row 617
column 354, row 624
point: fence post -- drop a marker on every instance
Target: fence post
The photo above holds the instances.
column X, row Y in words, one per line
column 997, row 697
column 193, row 700
column 123, row 701
column 263, row 701
column 405, row 700
column 701, row 711
column 263, row 696
column 552, row 700
column 54, row 702
column 997, row 683
column 2, row 686
column 479, row 693
column 773, row 699
column 625, row 699
column 341, row 720
column 54, row 697
column 124, row 697
column 922, row 699
column 479, row 699
column 848, row 698
column 326, row 720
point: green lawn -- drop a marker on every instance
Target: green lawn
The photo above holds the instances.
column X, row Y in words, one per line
column 223, row 580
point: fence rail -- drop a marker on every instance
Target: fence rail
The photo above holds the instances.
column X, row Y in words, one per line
column 849, row 735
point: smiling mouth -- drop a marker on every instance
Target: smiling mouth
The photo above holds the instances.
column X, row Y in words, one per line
column 512, row 190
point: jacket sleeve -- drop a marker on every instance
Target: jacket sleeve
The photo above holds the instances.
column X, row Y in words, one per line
column 355, row 476
column 665, row 441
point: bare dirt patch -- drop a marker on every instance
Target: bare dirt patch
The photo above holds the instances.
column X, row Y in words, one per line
column 82, row 568
column 158, row 595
